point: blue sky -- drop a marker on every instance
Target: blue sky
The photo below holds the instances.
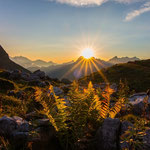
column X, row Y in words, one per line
column 58, row 30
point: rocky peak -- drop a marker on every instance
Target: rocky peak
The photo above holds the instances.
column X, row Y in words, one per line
column 3, row 54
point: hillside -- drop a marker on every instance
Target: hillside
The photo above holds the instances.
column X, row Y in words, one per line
column 136, row 73
column 7, row 64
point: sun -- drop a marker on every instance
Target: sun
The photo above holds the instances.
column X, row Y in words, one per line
column 87, row 53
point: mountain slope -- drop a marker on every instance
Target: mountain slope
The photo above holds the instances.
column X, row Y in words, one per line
column 7, row 64
column 136, row 73
column 78, row 69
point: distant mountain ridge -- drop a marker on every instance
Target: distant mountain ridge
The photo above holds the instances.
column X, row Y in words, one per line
column 27, row 63
column 7, row 64
column 77, row 69
column 117, row 60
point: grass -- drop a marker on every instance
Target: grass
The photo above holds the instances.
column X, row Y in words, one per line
column 136, row 73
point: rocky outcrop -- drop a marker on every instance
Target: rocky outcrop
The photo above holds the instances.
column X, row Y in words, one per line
column 18, row 132
column 58, row 91
column 40, row 74
column 7, row 64
column 108, row 135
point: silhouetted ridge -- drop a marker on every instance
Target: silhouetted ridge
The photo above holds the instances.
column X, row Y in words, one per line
column 7, row 64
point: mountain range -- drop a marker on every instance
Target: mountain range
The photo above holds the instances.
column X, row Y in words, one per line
column 117, row 60
column 70, row 70
column 77, row 69
column 27, row 63
column 59, row 71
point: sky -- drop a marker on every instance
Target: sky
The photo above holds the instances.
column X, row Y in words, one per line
column 58, row 30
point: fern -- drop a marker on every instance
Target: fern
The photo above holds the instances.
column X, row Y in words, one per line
column 53, row 107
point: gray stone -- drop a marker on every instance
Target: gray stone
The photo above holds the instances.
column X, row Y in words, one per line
column 16, row 74
column 40, row 74
column 108, row 135
column 58, row 91
column 43, row 122
column 7, row 126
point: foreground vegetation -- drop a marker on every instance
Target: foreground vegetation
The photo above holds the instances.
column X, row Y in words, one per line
column 76, row 115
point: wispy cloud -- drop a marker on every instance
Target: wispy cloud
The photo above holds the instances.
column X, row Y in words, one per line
column 82, row 3
column 144, row 8
column 87, row 3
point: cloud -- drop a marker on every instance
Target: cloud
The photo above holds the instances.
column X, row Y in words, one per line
column 88, row 3
column 128, row 1
column 81, row 3
column 144, row 8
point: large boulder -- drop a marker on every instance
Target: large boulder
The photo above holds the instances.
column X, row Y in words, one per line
column 18, row 132
column 39, row 73
column 46, row 139
column 7, row 126
column 10, row 125
column 15, row 75
column 108, row 135
column 25, row 76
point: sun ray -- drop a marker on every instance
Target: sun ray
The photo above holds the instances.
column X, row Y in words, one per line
column 86, row 67
column 74, row 67
column 100, row 72
column 81, row 67
column 90, row 66
column 100, row 63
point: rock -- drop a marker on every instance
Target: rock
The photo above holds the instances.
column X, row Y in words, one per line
column 57, row 91
column 23, row 126
column 138, row 97
column 46, row 140
column 108, row 135
column 19, row 139
column 25, row 76
column 40, row 74
column 34, row 77
column 138, row 109
column 15, row 75
column 7, row 126
column 10, row 125
column 43, row 122
column 6, row 85
column 42, row 84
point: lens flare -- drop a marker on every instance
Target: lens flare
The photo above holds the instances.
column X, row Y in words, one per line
column 87, row 53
